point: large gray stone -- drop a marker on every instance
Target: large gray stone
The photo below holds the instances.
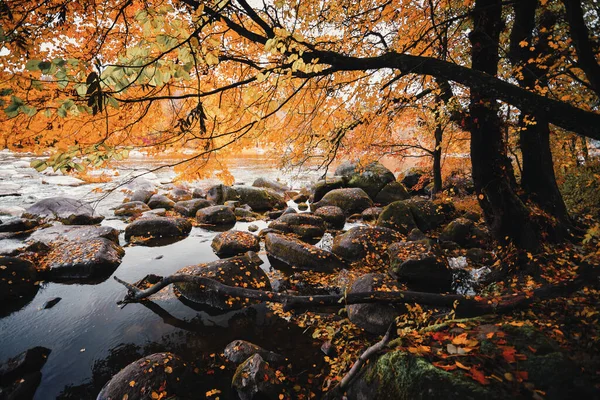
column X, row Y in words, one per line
column 232, row 243
column 216, row 215
column 351, row 200
column 189, row 208
column 132, row 208
column 67, row 210
column 300, row 255
column 158, row 227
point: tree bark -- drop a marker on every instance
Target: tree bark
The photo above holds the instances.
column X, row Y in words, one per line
column 437, row 158
column 506, row 214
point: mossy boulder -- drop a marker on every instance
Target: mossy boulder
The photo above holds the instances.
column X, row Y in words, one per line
column 402, row 376
column 189, row 208
column 260, row 199
column 300, row 255
column 306, row 226
column 219, row 194
column 364, row 243
column 371, row 213
column 427, row 214
column 458, row 231
column 324, row 186
column 373, row 317
column 351, row 200
column 393, row 191
column 270, row 184
column 240, row 271
column 333, row 216
column 397, row 216
column 420, row 265
column 232, row 243
column 216, row 215
column 370, row 178
column 158, row 227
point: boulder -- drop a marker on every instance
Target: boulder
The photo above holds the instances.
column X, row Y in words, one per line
column 480, row 256
column 351, row 200
column 180, row 194
column 255, row 379
column 148, row 377
column 21, row 375
column 131, row 208
column 300, row 198
column 232, row 243
column 372, row 178
column 160, row 201
column 240, row 350
column 242, row 271
column 244, row 215
column 219, row 194
column 189, row 208
column 64, row 209
column 415, row 180
column 372, row 317
column 322, row 187
column 397, row 216
column 333, row 216
column 472, row 215
column 90, row 259
column 420, row 265
column 302, row 206
column 346, row 169
column 253, row 228
column 415, row 235
column 17, row 281
column 270, row 184
column 300, row 255
column 458, row 231
column 158, row 227
column 393, row 191
column 198, row 193
column 17, row 224
column 306, row 226
column 364, row 243
column 371, row 213
column 427, row 214
column 260, row 199
column 216, row 215
column 46, row 238
column 143, row 195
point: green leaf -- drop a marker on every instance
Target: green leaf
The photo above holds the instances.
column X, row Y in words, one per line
column 39, row 165
column 33, row 65
column 27, row 110
column 45, row 66
column 61, row 112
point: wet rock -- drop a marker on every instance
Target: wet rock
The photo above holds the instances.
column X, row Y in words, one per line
column 44, row 239
column 458, row 231
column 189, row 208
column 427, row 214
column 300, row 198
column 234, row 204
column 420, row 265
column 393, row 191
column 270, row 184
column 240, row 350
column 322, row 187
column 143, row 195
column 252, row 228
column 17, row 281
column 242, row 271
column 216, row 215
column 371, row 214
column 373, row 318
column 51, row 303
column 415, row 180
column 219, row 194
column 346, row 168
column 198, row 193
column 160, row 201
column 232, row 243
column 300, row 255
column 415, row 235
column 18, row 224
column 351, row 200
column 480, row 256
column 397, row 216
column 302, row 206
column 64, row 209
column 20, row 375
column 260, row 199
column 372, row 178
column 156, row 373
column 158, row 227
column 157, row 212
column 306, row 226
column 180, row 194
column 244, row 215
column 131, row 208
column 333, row 216
column 364, row 243
column 255, row 379
column 91, row 259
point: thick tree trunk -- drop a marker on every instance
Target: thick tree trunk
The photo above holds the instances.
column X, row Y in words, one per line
column 537, row 179
column 506, row 214
column 437, row 159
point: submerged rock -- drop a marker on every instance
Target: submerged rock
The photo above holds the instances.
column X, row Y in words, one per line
column 300, row 255
column 64, row 209
column 241, row 271
column 156, row 373
column 240, row 350
column 17, row 283
column 20, row 376
column 232, row 243
column 372, row 317
column 216, row 215
column 158, row 227
column 351, row 200
column 364, row 243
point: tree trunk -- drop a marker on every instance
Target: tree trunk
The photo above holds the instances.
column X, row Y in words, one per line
column 506, row 214
column 437, row 158
column 537, row 179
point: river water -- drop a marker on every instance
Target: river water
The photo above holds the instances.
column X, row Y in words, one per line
column 91, row 337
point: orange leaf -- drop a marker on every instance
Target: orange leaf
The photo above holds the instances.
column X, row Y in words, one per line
column 443, row 366
column 478, row 375
column 462, row 366
column 509, row 354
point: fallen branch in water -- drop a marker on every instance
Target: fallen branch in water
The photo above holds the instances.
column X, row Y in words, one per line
column 466, row 306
